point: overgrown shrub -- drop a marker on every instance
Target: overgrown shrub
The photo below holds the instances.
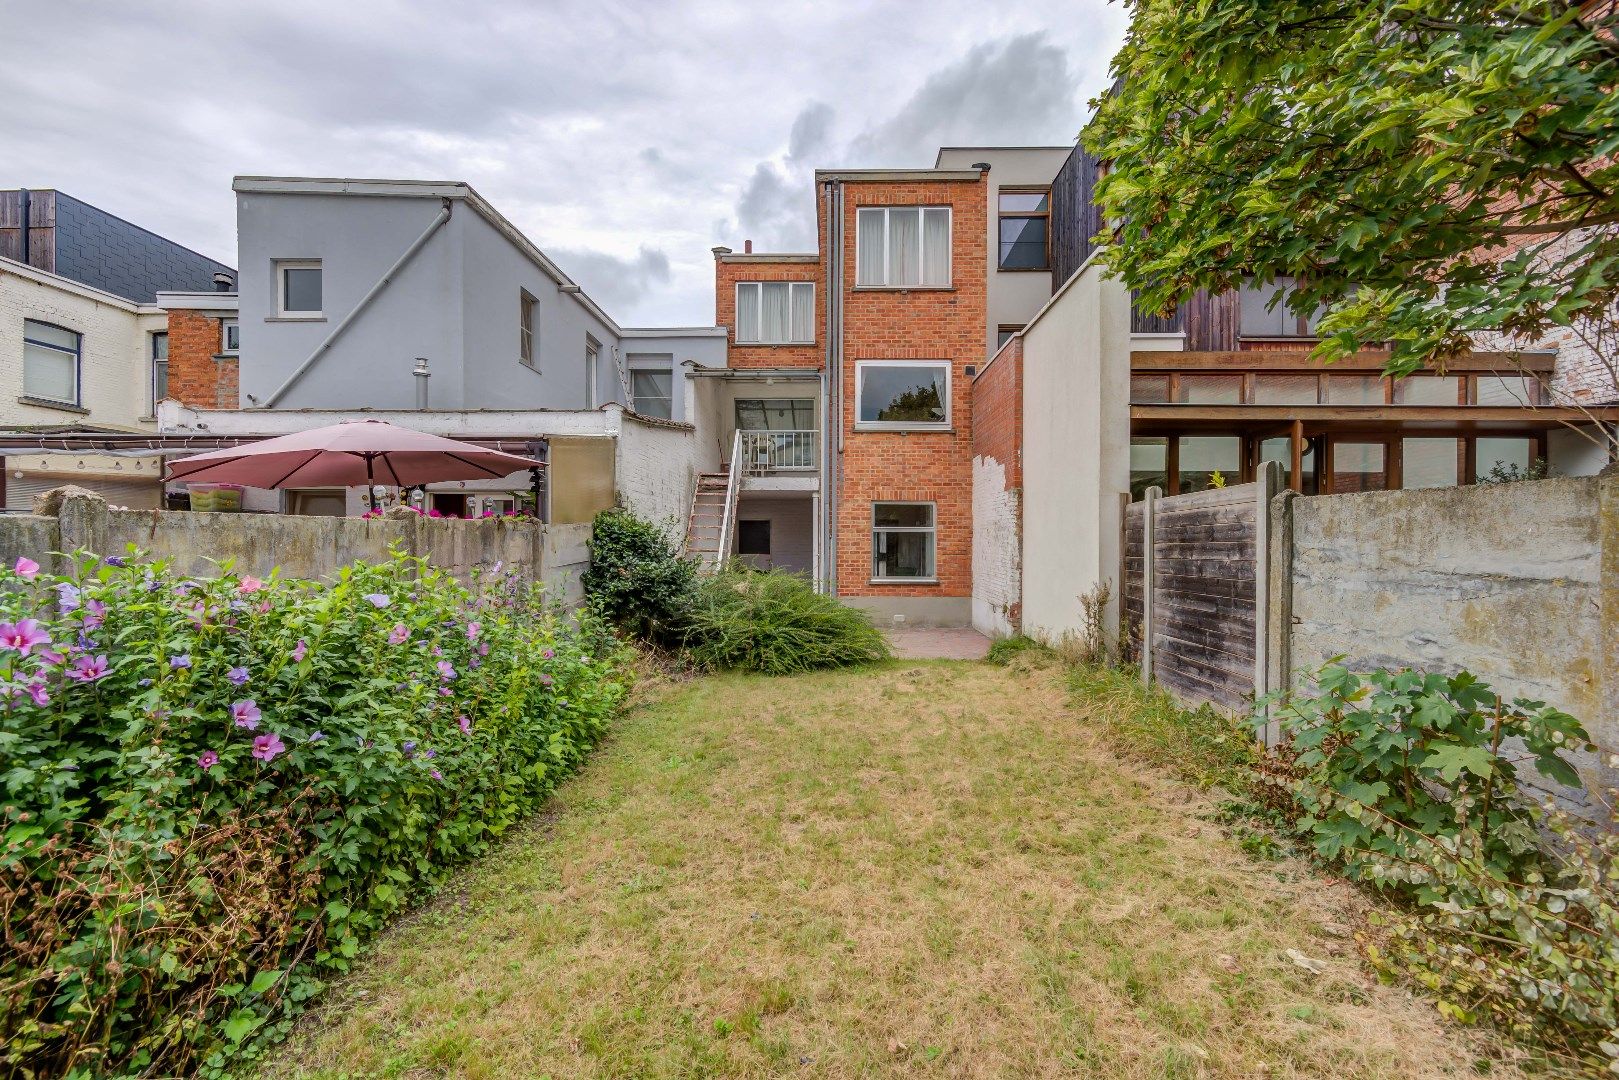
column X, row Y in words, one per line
column 1412, row 782
column 215, row 789
column 637, row 579
column 1002, row 651
column 776, row 623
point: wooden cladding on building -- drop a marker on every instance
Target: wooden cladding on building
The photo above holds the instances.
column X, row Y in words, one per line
column 40, row 230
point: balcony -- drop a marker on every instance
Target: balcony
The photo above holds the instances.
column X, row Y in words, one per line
column 778, row 460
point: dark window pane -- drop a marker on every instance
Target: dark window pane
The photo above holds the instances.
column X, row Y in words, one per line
column 1359, row 466
column 1149, row 389
column 1023, row 243
column 1201, row 456
column 1428, row 463
column 301, row 289
column 895, row 394
column 1428, row 390
column 1024, row 202
column 1210, row 390
column 1149, row 466
column 753, row 538
column 1354, row 390
column 902, row 515
column 1286, row 389
column 160, row 346
column 1002, row 336
column 902, row 554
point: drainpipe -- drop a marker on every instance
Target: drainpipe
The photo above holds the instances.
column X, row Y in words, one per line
column 365, row 301
column 834, row 372
column 422, row 375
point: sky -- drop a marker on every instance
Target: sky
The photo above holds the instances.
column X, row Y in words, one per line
column 626, row 139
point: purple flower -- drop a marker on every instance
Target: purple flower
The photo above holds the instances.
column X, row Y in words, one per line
column 26, row 567
column 435, row 774
column 430, row 754
column 445, row 691
column 409, row 748
column 473, row 663
column 67, row 597
column 23, row 636
column 36, row 690
column 144, row 683
column 245, row 714
column 237, row 675
column 483, row 648
column 549, row 654
column 88, row 668
column 377, row 599
column 207, row 760
column 446, row 670
column 545, row 678
column 472, row 630
column 299, row 650
column 398, row 635
column 266, row 747
column 316, row 736
column 183, row 660
column 114, row 560
column 464, row 723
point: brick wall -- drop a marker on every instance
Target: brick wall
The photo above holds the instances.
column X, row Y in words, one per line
column 198, row 375
column 997, row 442
column 726, row 275
column 916, row 324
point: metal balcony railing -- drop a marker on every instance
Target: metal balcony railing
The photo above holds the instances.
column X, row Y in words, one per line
column 765, row 452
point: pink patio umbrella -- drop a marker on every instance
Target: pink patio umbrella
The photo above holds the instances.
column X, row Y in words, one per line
column 349, row 454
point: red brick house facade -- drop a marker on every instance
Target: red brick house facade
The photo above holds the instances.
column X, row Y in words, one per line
column 201, row 373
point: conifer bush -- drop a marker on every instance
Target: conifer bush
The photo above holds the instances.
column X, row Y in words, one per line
column 776, row 623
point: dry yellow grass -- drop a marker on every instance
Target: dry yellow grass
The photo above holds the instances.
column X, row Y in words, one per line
column 929, row 869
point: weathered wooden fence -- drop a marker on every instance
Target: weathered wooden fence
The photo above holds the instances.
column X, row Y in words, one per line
column 1195, row 586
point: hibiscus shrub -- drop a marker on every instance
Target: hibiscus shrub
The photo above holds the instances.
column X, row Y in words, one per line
column 214, row 790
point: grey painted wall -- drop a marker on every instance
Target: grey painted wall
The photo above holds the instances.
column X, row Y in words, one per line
column 97, row 249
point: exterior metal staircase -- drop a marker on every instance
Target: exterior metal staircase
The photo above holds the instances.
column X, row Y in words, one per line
column 713, row 513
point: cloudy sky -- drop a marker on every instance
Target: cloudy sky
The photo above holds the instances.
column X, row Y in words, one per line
column 625, row 138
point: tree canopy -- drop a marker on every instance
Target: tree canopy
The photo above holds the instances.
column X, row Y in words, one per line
column 1425, row 169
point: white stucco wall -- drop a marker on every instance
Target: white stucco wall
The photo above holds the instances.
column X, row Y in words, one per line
column 657, row 470
column 997, row 555
column 1076, row 447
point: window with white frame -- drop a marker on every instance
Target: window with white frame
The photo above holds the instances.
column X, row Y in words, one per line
column 652, row 386
column 230, row 337
column 160, row 367
column 593, row 352
column 902, row 247
column 50, row 362
column 527, row 354
column 775, row 313
column 903, row 539
column 298, row 289
column 895, row 395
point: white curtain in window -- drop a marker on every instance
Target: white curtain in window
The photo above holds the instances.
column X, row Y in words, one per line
column 773, row 311
column 936, row 247
column 904, row 247
column 48, row 374
column 803, row 313
column 871, row 228
column 747, row 312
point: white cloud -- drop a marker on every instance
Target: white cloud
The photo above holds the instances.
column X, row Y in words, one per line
column 631, row 136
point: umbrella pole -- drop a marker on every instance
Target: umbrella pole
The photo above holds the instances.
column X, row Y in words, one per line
column 370, row 484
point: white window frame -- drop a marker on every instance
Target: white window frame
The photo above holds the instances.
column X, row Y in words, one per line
column 151, row 355
column 791, row 307
column 225, row 327
column 528, row 330
column 931, row 531
column 921, row 248
column 860, row 367
column 281, row 267
column 77, row 354
column 649, row 365
column 593, row 352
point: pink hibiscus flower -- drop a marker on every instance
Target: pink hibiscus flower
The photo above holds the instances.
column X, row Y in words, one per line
column 266, row 747
column 26, row 567
column 23, row 636
column 246, row 714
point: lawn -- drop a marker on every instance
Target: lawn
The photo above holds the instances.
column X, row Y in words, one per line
column 929, row 868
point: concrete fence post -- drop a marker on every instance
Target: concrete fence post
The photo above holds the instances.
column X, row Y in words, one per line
column 1149, row 570
column 1277, row 629
column 1267, row 483
column 81, row 523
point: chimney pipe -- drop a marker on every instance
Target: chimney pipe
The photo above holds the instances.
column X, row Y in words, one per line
column 747, row 247
column 422, row 375
column 223, row 282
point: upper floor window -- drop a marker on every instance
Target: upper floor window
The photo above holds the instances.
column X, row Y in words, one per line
column 902, row 394
column 50, row 362
column 298, row 289
column 1259, row 317
column 160, row 367
column 1025, row 218
column 902, row 247
column 652, row 383
column 230, row 337
column 526, row 351
column 775, row 313
column 593, row 352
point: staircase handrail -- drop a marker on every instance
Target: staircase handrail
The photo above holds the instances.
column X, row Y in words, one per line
column 728, row 517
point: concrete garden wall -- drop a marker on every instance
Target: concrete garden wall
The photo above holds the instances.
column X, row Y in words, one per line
column 303, row 547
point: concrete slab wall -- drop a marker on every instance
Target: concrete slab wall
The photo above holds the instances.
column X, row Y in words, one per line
column 1517, row 583
column 303, row 547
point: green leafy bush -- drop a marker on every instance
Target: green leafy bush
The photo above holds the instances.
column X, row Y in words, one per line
column 775, row 622
column 214, row 790
column 1412, row 782
column 637, row 579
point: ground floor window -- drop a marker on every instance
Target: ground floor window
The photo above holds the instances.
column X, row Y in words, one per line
column 753, row 537
column 903, row 537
